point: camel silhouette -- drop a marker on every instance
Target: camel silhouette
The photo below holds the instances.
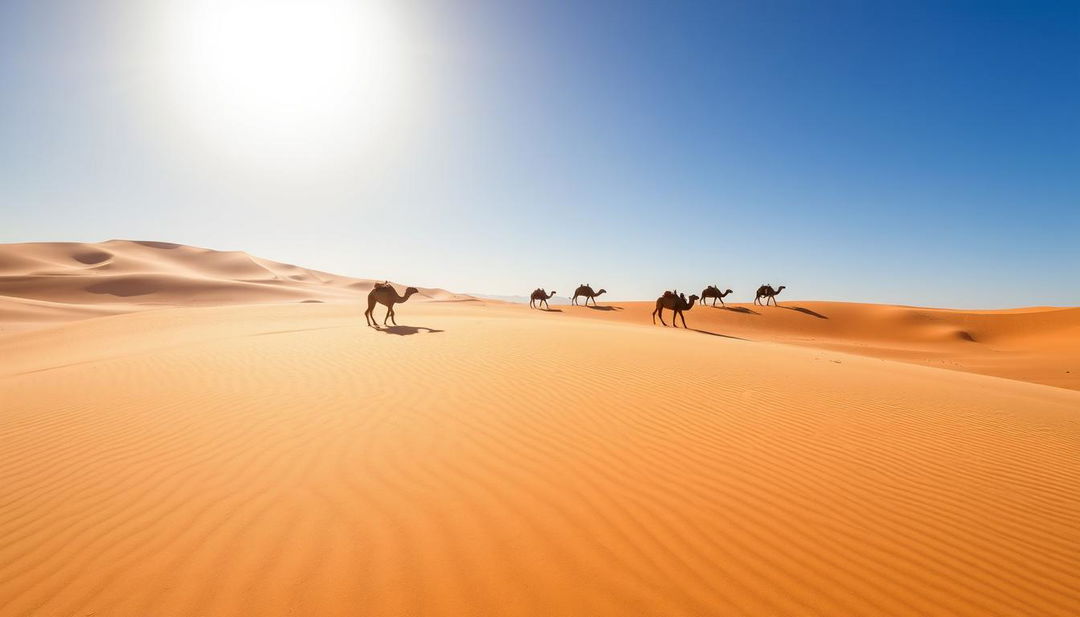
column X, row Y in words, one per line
column 712, row 291
column 541, row 296
column 767, row 292
column 385, row 294
column 585, row 290
column 675, row 303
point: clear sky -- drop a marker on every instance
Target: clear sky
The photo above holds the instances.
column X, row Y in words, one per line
column 905, row 152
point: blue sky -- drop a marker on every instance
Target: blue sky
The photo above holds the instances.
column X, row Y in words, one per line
column 905, row 152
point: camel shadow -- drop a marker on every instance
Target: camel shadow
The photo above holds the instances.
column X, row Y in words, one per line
column 605, row 308
column 738, row 309
column 715, row 334
column 804, row 310
column 551, row 310
column 405, row 330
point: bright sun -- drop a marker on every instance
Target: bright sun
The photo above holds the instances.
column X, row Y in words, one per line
column 287, row 81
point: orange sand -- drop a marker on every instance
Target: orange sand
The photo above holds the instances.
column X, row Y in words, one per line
column 53, row 282
column 482, row 458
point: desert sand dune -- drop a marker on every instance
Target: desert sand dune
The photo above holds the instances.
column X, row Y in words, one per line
column 488, row 459
column 80, row 279
column 1040, row 344
column 251, row 447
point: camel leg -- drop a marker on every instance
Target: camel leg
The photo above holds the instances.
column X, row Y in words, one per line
column 531, row 301
column 683, row 316
column 367, row 314
column 389, row 308
column 721, row 302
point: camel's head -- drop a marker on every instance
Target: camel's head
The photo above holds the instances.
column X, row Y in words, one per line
column 694, row 298
column 727, row 292
column 412, row 290
column 779, row 289
column 602, row 291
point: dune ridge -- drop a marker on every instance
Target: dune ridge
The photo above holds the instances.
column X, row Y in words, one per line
column 286, row 459
column 52, row 282
column 1036, row 344
column 43, row 284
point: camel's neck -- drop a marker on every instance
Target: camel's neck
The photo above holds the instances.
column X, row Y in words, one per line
column 408, row 292
column 690, row 305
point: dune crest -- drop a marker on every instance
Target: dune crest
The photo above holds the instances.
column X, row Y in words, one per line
column 76, row 280
column 1037, row 344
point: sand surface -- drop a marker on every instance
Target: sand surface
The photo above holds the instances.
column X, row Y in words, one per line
column 45, row 283
column 278, row 457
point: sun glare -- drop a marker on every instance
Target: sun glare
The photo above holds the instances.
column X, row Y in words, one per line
column 285, row 81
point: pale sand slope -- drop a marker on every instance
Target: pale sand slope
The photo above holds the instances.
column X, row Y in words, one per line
column 45, row 283
column 288, row 460
column 1039, row 344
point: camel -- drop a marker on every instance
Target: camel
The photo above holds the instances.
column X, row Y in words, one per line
column 767, row 292
column 674, row 302
column 385, row 294
column 540, row 296
column 712, row 291
column 585, row 290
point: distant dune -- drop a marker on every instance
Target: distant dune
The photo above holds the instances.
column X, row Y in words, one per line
column 242, row 450
column 43, row 283
column 1039, row 344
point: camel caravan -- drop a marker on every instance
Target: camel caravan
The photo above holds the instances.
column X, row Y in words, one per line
column 385, row 294
column 672, row 300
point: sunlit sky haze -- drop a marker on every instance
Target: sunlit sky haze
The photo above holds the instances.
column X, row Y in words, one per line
column 904, row 152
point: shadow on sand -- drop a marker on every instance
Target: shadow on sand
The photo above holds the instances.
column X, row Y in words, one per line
column 804, row 310
column 405, row 330
column 738, row 309
column 716, row 334
column 551, row 310
column 605, row 308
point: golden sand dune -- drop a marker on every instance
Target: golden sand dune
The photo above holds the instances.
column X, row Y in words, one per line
column 52, row 282
column 1039, row 344
column 252, row 448
column 489, row 459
